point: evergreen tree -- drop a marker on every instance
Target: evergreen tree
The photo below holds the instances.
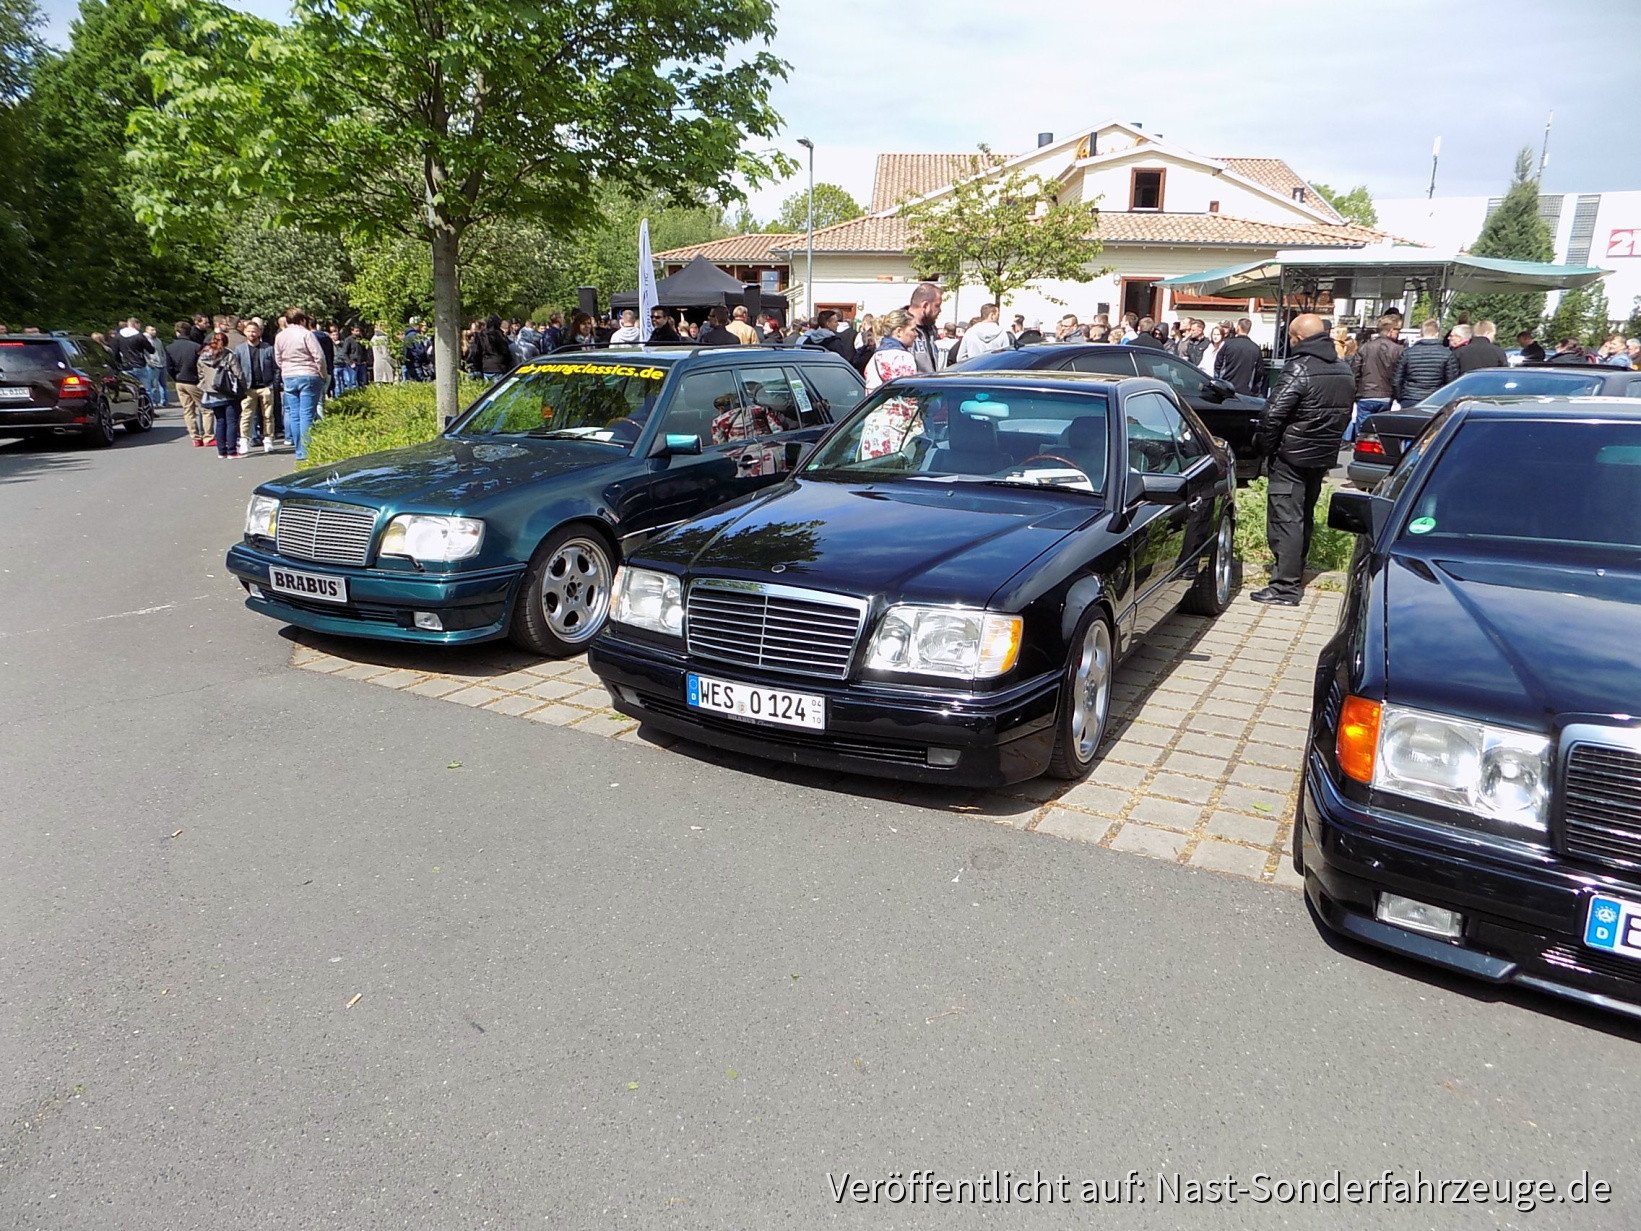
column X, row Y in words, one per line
column 1514, row 232
column 1581, row 314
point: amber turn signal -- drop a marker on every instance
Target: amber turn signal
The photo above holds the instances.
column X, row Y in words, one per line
column 1358, row 737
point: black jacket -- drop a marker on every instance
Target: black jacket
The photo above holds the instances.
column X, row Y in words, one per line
column 182, row 361
column 1241, row 362
column 328, row 346
column 717, row 335
column 1480, row 353
column 1424, row 367
column 495, row 356
column 1305, row 417
column 1533, row 352
column 1145, row 339
column 132, row 352
column 1374, row 364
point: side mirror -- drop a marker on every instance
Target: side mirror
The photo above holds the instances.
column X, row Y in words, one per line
column 1220, row 390
column 1358, row 512
column 1157, row 488
column 677, row 444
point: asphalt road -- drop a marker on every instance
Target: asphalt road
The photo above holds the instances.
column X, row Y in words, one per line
column 599, row 984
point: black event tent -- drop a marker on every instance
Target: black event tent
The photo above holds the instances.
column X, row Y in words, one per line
column 701, row 285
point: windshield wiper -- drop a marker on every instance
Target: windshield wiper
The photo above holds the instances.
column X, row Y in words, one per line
column 569, row 433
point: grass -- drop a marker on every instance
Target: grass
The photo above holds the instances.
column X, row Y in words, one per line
column 1330, row 549
column 378, row 417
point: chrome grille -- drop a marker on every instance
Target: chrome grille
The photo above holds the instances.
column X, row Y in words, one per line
column 781, row 628
column 328, row 533
column 1601, row 804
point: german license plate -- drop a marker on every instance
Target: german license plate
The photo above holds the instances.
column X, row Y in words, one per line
column 756, row 704
column 1614, row 925
column 14, row 393
column 320, row 587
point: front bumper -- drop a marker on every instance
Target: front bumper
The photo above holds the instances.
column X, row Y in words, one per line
column 873, row 729
column 1524, row 912
column 381, row 604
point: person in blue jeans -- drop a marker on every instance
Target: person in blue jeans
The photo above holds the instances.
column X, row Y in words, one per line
column 302, row 371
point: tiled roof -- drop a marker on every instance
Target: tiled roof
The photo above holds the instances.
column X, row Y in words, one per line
column 753, row 249
column 903, row 176
column 1278, row 175
column 888, row 234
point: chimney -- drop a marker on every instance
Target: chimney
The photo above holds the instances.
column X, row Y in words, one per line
column 1044, row 139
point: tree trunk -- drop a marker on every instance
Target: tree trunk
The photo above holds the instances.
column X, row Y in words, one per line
column 447, row 308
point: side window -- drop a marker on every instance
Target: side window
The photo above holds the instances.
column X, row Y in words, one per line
column 837, row 391
column 769, row 406
column 1192, row 442
column 1111, row 362
column 1186, row 380
column 1634, row 391
column 1153, row 428
column 701, row 400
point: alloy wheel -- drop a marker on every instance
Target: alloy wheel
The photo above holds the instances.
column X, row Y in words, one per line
column 575, row 589
column 1091, row 690
column 1224, row 562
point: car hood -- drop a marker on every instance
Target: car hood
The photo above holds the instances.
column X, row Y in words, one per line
column 941, row 543
column 446, row 474
column 1513, row 641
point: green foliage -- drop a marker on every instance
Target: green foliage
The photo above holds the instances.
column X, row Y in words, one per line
column 1516, row 232
column 1330, row 549
column 1582, row 314
column 1353, row 206
column 378, row 417
column 392, row 279
column 1002, row 232
column 269, row 269
column 832, row 205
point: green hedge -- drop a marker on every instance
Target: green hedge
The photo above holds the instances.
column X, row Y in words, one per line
column 1330, row 549
column 378, row 417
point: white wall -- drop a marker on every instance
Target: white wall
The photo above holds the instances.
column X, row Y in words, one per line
column 1187, row 189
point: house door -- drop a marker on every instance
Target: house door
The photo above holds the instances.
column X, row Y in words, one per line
column 1142, row 297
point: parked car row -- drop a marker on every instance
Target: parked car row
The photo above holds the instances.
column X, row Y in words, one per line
column 936, row 585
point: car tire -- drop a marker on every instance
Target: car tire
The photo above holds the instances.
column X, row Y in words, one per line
column 143, row 420
column 100, row 434
column 565, row 597
column 1085, row 698
column 1211, row 593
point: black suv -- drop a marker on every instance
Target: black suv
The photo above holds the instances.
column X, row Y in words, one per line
column 57, row 384
column 1232, row 416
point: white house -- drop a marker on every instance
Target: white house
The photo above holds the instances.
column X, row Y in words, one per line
column 1163, row 210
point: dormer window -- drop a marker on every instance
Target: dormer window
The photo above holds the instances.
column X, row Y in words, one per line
column 1145, row 190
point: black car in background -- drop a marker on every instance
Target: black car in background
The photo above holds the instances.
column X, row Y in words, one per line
column 1232, row 416
column 1384, row 436
column 1472, row 782
column 942, row 590
column 57, row 384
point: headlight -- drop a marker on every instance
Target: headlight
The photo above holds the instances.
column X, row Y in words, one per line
column 1493, row 772
column 645, row 598
column 261, row 517
column 968, row 645
column 422, row 536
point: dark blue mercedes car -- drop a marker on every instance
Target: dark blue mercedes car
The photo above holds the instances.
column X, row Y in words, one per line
column 1472, row 784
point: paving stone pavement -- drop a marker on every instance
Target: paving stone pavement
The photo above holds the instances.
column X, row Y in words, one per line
column 1200, row 765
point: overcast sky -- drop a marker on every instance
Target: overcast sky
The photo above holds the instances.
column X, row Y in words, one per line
column 1348, row 93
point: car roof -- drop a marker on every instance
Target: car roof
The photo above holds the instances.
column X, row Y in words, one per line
column 1037, row 378
column 709, row 354
column 1547, row 407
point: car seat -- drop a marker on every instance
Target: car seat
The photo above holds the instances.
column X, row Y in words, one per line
column 1083, row 442
column 971, row 446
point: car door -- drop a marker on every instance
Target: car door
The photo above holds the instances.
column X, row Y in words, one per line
column 1157, row 527
column 1232, row 417
column 97, row 362
column 778, row 418
column 1205, row 483
column 670, row 488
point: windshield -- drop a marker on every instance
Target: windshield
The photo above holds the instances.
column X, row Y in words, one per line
column 36, row 359
column 959, row 433
column 1538, row 481
column 606, row 402
column 1513, row 382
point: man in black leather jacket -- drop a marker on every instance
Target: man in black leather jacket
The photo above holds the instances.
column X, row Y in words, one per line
column 1301, row 431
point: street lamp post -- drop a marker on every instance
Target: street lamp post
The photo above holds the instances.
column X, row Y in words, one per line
column 809, row 270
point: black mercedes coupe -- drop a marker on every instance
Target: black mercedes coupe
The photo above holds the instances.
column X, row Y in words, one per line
column 941, row 590
column 1472, row 785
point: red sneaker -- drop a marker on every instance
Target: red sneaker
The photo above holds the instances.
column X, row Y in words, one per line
column 199, row 444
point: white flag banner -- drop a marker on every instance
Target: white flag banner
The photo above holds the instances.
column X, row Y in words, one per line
column 647, row 296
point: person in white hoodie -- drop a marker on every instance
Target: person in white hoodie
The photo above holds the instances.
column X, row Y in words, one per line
column 629, row 333
column 984, row 336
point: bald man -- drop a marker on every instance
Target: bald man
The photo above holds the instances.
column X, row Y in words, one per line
column 1300, row 432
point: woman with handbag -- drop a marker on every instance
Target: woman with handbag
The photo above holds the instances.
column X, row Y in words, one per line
column 222, row 389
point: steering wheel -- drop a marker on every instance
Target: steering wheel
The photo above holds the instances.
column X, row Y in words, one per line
column 1052, row 457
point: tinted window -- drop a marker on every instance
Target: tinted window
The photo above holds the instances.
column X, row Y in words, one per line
column 703, row 399
column 95, row 353
column 1113, row 363
column 768, row 406
column 1004, row 435
column 838, row 391
column 34, row 358
column 1187, row 381
column 591, row 400
column 1536, row 481
column 1634, row 391
column 1514, row 382
column 1192, row 444
column 1153, row 428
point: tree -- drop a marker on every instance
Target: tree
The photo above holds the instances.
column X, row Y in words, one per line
column 428, row 117
column 1001, row 232
column 1353, row 206
column 1581, row 314
column 268, row 269
column 1514, row 231
column 20, row 52
column 832, row 205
